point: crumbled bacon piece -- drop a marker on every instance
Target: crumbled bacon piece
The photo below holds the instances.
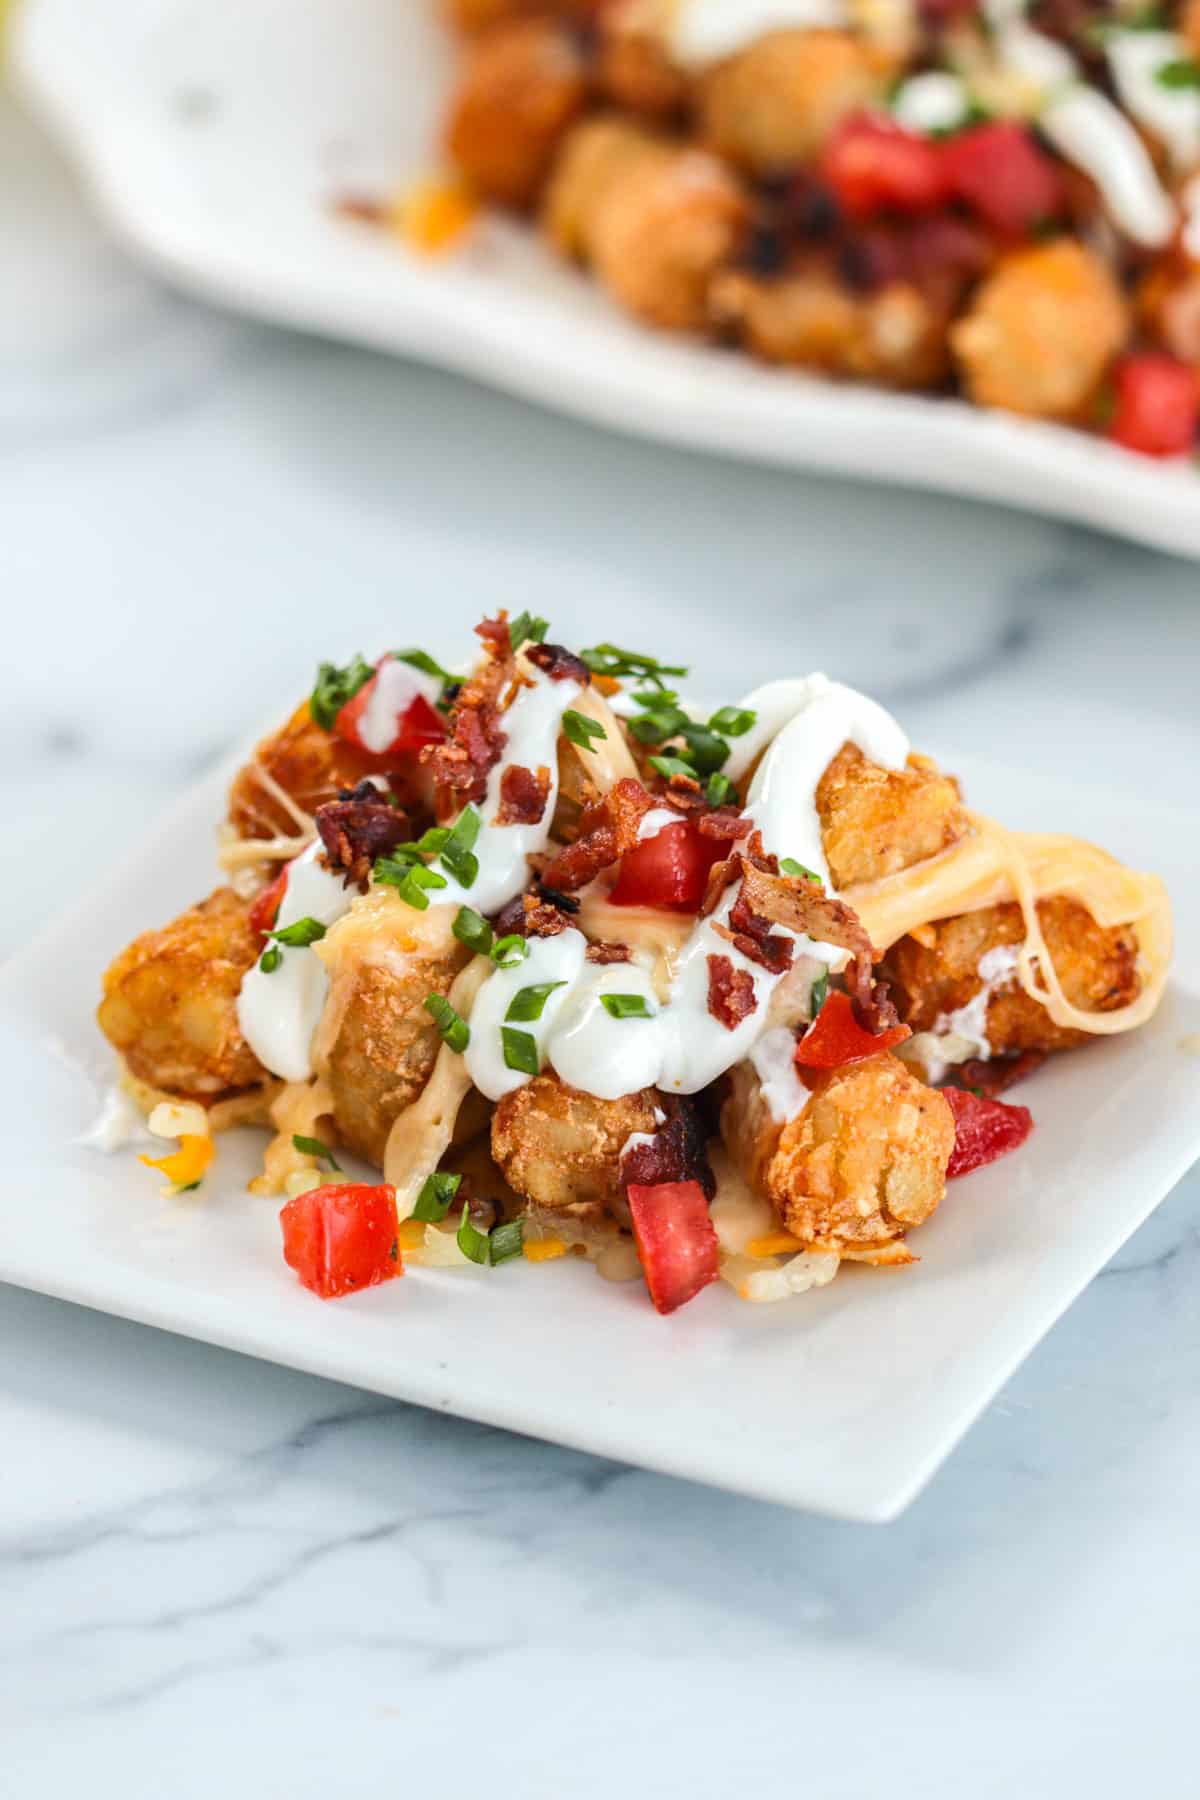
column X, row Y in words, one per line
column 523, row 795
column 357, row 829
column 726, row 825
column 730, row 992
column 495, row 635
column 677, row 1152
column 529, row 916
column 994, row 1077
column 609, row 953
column 606, row 831
column 558, row 663
column 475, row 734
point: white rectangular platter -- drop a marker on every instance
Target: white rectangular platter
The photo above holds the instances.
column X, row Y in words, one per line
column 215, row 139
column 843, row 1401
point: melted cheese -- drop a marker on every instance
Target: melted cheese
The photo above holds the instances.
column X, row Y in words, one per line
column 422, row 1134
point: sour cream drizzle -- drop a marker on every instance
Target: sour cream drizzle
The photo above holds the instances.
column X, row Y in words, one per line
column 679, row 1046
column 397, row 685
column 279, row 1011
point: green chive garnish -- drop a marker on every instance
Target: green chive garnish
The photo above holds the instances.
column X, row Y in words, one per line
column 473, row 930
column 508, row 951
column 527, row 628
column 626, row 1006
column 672, row 765
column 610, row 659
column 528, row 1002
column 790, row 866
column 270, row 960
column 507, row 1241
column 1181, row 72
column 732, row 721
column 718, row 790
column 581, row 731
column 520, row 1050
column 818, row 993
column 457, row 850
column 309, row 1146
column 409, row 879
column 433, row 1201
column 452, row 1028
column 420, row 659
column 472, row 1243
column 300, row 935
column 334, row 687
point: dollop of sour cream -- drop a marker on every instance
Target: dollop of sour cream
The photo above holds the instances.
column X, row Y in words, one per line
column 395, row 688
column 278, row 1010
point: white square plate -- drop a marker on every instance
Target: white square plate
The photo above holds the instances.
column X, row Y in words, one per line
column 844, row 1401
column 215, row 137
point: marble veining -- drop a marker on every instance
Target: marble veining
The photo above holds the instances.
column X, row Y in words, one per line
column 213, row 1571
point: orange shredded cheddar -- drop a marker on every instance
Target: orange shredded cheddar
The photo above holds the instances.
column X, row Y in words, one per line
column 544, row 1249
column 188, row 1163
column 432, row 215
column 410, row 1234
column 775, row 1243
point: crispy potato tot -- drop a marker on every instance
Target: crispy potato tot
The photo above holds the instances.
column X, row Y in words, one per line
column 656, row 221
column 811, row 320
column 634, row 71
column 309, row 765
column 876, row 821
column 1041, row 332
column 522, row 85
column 862, row 1161
column 561, row 1148
column 940, row 973
column 773, row 104
column 170, row 1001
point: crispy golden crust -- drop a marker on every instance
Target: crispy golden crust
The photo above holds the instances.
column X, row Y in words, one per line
column 309, row 764
column 775, row 103
column 656, row 221
column 384, row 1044
column 811, row 320
column 1041, row 332
column 876, row 821
column 863, row 1160
column 170, row 1001
column 520, row 88
column 559, row 1147
column 939, row 974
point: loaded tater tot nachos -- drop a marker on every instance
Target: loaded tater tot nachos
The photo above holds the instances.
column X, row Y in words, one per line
column 999, row 198
column 581, row 968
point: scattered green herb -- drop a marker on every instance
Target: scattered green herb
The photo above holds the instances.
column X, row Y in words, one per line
column 790, row 866
column 718, row 790
column 732, row 721
column 270, row 959
column 310, row 1146
column 457, row 852
column 420, row 659
column 452, row 1027
column 507, row 1241
column 819, row 993
column 581, row 731
column 520, row 1050
column 473, row 930
column 527, row 628
column 334, row 687
column 626, row 1006
column 472, row 1243
column 410, row 880
column 300, row 935
column 610, row 659
column 529, row 1002
column 507, row 952
column 433, row 1201
column 1182, row 72
column 672, row 765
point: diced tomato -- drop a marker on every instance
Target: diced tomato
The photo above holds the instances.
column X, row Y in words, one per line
column 669, row 869
column 342, row 1237
column 1157, row 404
column 1000, row 173
column 419, row 724
column 676, row 1242
column 264, row 909
column 874, row 165
column 835, row 1037
column 983, row 1130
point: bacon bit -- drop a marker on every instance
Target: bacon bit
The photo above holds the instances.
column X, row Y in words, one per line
column 609, row 953
column 726, row 824
column 523, row 795
column 558, row 663
column 356, row 830
column 495, row 635
column 606, row 831
column 992, row 1078
column 730, row 992
column 529, row 916
column 676, row 1152
column 476, row 738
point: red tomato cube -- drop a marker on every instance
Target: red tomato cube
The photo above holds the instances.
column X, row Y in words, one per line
column 1002, row 174
column 835, row 1037
column 341, row 1237
column 983, row 1130
column 669, row 869
column 1157, row 404
column 874, row 165
column 676, row 1242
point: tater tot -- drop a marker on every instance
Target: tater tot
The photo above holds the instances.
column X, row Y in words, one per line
column 521, row 86
column 773, row 104
column 559, row 1147
column 810, row 320
column 876, row 821
column 170, row 1001
column 862, row 1161
column 1041, row 332
column 940, row 973
column 656, row 221
column 309, row 764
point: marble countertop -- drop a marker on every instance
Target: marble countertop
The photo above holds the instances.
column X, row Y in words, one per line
column 214, row 1570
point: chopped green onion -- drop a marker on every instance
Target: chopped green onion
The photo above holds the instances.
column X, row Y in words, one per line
column 520, row 1050
column 527, row 628
column 626, row 1006
column 581, row 731
column 432, row 841
column 270, row 960
column 420, row 659
column 610, row 659
column 658, row 723
column 433, row 1201
column 1181, row 72
column 472, row 1243
column 471, row 929
column 310, row 1146
column 452, row 1027
column 790, row 866
column 718, row 790
column 672, row 765
column 334, row 687
column 457, row 851
column 507, row 1241
column 528, row 1002
column 705, row 749
column 652, row 697
column 508, row 951
column 300, row 935
column 409, row 879
column 818, row 993
column 732, row 721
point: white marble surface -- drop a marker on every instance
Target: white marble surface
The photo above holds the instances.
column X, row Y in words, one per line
column 216, row 1571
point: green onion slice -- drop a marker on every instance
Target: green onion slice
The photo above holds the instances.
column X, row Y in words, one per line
column 610, row 659
column 790, row 866
column 334, row 687
column 626, row 1006
column 520, row 1050
column 471, row 1242
column 528, row 1002
column 732, row 721
column 452, row 1027
column 508, row 951
column 420, row 659
column 433, row 1201
column 310, row 1146
column 270, row 960
column 507, row 1241
column 457, row 850
column 527, row 628
column 581, row 731
column 819, row 993
column 473, row 930
column 299, row 935
column 718, row 790
column 672, row 765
